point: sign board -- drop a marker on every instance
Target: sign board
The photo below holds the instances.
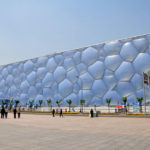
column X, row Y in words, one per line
column 135, row 107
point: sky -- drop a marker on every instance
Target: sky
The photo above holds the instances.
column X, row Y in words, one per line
column 33, row 28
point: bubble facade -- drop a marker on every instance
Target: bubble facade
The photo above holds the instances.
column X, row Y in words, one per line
column 108, row 70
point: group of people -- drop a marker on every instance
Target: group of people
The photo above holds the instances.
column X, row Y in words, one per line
column 4, row 112
column 17, row 111
column 60, row 113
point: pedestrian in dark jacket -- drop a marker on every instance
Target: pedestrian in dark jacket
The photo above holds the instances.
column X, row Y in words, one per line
column 61, row 113
column 2, row 112
column 6, row 112
column 15, row 111
column 92, row 113
column 19, row 111
column 53, row 112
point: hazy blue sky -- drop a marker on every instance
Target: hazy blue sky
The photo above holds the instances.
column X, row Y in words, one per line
column 31, row 28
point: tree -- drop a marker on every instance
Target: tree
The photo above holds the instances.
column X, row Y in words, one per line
column 3, row 103
column 31, row 103
column 17, row 102
column 108, row 101
column 82, row 102
column 40, row 102
column 69, row 101
column 58, row 102
column 49, row 102
column 140, row 99
column 10, row 104
column 124, row 99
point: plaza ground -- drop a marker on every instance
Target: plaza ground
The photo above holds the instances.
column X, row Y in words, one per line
column 42, row 132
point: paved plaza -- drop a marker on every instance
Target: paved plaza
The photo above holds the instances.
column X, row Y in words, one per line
column 42, row 132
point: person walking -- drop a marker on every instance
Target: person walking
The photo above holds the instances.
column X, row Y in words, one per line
column 2, row 112
column 92, row 113
column 19, row 111
column 53, row 112
column 61, row 113
column 6, row 112
column 15, row 111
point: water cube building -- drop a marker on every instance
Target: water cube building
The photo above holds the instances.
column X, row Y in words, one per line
column 107, row 70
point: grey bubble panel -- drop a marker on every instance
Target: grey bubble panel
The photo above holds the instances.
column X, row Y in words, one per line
column 115, row 97
column 112, row 48
column 41, row 62
column 39, row 88
column 68, row 54
column 68, row 64
column 47, row 93
column 4, row 73
column 77, row 57
column 48, row 80
column 141, row 44
column 137, row 81
column 140, row 93
column 95, row 101
column 113, row 62
column 87, row 95
column 124, row 72
column 15, row 72
column 76, row 88
column 82, row 68
column 24, row 86
column 94, row 73
column 38, row 97
column 41, row 72
column 141, row 63
column 23, row 99
column 9, row 80
column 59, row 74
column 110, row 82
column 86, row 81
column 128, row 52
column 28, row 66
column 31, row 78
column 72, row 75
column 74, row 98
column 99, row 88
column 65, row 88
column 102, row 54
column 9, row 68
column 17, row 82
column 59, row 59
column 32, row 92
column 125, row 88
column 108, row 72
column 89, row 56
column 51, row 65
column 12, row 91
column 96, row 70
column 131, row 99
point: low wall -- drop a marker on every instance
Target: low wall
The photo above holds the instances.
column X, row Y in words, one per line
column 103, row 109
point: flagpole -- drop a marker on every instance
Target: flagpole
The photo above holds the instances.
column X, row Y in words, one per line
column 144, row 94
